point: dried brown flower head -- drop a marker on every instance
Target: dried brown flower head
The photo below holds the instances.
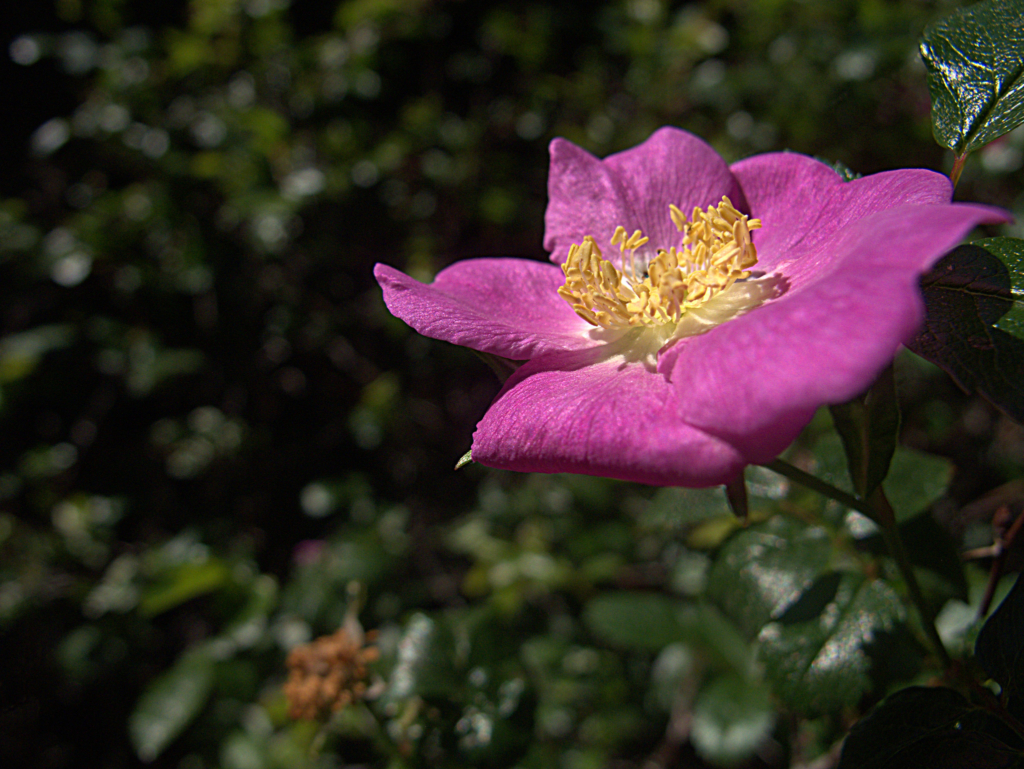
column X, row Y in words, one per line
column 329, row 673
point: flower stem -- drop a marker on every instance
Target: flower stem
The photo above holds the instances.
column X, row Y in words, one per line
column 891, row 533
column 880, row 511
column 958, row 167
column 824, row 488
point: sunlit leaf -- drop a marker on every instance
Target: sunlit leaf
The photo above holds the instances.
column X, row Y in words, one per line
column 815, row 655
column 170, row 703
column 975, row 60
column 762, row 570
column 974, row 324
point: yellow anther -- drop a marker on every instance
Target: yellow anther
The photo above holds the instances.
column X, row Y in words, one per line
column 716, row 251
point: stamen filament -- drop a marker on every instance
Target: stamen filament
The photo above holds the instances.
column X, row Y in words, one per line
column 716, row 250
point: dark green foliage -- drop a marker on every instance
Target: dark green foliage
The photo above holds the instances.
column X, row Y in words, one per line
column 218, row 445
column 975, row 320
column 919, row 727
column 1000, row 645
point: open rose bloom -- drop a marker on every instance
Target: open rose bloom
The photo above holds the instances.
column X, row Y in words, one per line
column 674, row 346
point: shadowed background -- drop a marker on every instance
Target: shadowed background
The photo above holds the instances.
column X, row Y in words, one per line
column 208, row 417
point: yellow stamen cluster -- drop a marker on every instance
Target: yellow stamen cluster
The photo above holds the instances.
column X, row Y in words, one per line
column 715, row 252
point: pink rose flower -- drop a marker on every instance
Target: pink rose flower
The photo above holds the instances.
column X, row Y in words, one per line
column 678, row 354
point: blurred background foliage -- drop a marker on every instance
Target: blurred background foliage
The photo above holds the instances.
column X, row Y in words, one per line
column 217, row 444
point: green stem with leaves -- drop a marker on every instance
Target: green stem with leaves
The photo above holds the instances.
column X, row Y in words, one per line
column 880, row 511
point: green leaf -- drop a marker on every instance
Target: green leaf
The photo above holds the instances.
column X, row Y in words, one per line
column 1000, row 644
column 869, row 427
column 975, row 61
column 642, row 621
column 974, row 324
column 21, row 353
column 815, row 655
column 497, row 727
column 925, row 728
column 171, row 702
column 846, row 173
column 464, row 460
column 248, row 625
column 425, row 665
column 732, row 716
column 762, row 570
column 916, row 479
column 184, row 582
column 652, row 622
column 674, row 509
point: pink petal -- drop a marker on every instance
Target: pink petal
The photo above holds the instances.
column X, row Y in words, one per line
column 750, row 380
column 803, row 205
column 633, row 188
column 582, row 412
column 507, row 307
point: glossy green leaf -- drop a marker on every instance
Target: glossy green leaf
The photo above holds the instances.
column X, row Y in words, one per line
column 974, row 324
column 732, row 716
column 975, row 61
column 925, row 728
column 171, row 702
column 763, row 569
column 869, row 427
column 1000, row 645
column 816, row 654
